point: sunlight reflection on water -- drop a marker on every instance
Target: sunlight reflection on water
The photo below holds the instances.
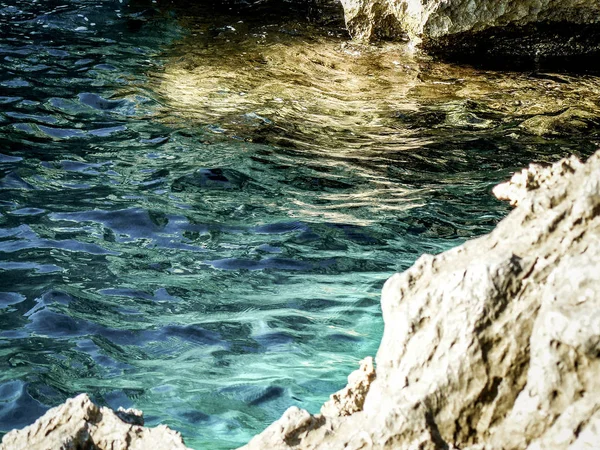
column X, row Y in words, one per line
column 197, row 215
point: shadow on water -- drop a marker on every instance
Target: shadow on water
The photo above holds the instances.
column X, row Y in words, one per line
column 198, row 210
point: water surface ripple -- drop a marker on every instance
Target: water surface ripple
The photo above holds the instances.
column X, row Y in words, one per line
column 197, row 212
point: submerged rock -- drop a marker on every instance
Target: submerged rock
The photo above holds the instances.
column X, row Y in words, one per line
column 530, row 31
column 573, row 120
column 493, row 344
column 79, row 424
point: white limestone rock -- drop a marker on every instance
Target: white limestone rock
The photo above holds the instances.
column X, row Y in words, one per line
column 494, row 344
column 535, row 176
column 352, row 398
column 79, row 424
column 433, row 19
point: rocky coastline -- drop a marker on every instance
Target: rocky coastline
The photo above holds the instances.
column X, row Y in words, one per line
column 493, row 344
column 538, row 35
column 499, row 34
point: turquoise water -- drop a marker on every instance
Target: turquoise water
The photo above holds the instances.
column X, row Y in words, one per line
column 198, row 212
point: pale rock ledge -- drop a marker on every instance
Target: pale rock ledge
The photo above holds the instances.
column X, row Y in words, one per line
column 436, row 19
column 79, row 424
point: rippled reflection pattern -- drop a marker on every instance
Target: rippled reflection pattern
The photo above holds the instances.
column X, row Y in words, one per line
column 197, row 216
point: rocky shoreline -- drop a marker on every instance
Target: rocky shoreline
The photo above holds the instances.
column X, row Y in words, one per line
column 539, row 35
column 80, row 424
column 529, row 34
column 493, row 344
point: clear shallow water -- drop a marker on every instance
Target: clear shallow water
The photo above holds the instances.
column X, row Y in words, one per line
column 197, row 214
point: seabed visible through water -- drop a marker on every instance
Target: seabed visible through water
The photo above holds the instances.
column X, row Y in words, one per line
column 198, row 211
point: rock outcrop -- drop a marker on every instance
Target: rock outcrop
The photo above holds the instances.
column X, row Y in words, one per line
column 79, row 424
column 522, row 183
column 492, row 345
column 528, row 30
column 435, row 19
column 351, row 399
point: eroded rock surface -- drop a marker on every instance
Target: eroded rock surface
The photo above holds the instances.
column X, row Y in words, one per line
column 519, row 187
column 79, row 424
column 530, row 33
column 494, row 344
column 351, row 399
column 434, row 19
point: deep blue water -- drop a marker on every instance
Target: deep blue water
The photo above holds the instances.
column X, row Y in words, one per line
column 185, row 234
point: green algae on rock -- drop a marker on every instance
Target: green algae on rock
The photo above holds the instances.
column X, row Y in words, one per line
column 565, row 122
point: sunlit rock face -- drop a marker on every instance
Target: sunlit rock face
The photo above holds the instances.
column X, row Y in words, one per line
column 80, row 424
column 481, row 28
column 493, row 344
column 435, row 19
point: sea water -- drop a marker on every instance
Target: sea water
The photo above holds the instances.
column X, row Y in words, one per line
column 198, row 210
